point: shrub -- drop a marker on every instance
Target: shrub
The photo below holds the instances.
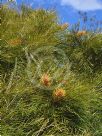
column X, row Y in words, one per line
column 43, row 92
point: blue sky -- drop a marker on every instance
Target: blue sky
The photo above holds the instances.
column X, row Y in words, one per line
column 68, row 9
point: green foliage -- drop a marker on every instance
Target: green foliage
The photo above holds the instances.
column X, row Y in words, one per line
column 34, row 44
column 85, row 52
column 27, row 110
column 26, row 29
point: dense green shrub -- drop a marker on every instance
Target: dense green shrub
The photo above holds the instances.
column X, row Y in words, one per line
column 30, row 110
column 85, row 51
column 45, row 68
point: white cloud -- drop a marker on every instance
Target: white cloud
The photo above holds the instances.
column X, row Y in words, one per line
column 83, row 5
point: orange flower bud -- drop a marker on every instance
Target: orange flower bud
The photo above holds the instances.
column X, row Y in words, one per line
column 58, row 94
column 45, row 80
column 81, row 33
column 64, row 26
column 15, row 42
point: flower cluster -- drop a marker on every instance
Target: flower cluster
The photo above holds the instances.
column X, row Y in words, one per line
column 64, row 26
column 46, row 80
column 15, row 42
column 58, row 93
column 81, row 33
